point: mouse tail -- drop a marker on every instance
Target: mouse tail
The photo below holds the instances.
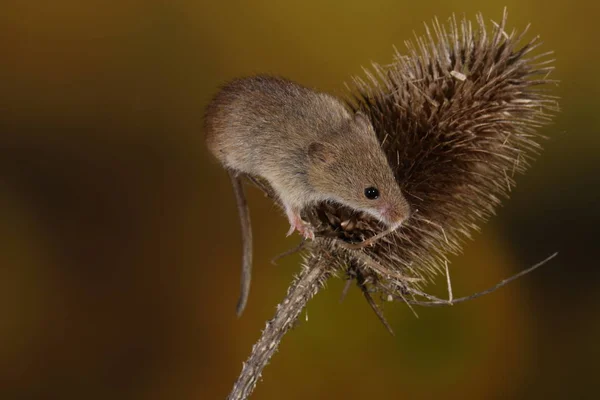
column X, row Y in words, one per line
column 242, row 204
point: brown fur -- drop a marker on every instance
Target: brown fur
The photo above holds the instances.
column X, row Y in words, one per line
column 308, row 148
column 305, row 144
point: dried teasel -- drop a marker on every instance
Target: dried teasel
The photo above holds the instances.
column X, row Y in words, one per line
column 458, row 118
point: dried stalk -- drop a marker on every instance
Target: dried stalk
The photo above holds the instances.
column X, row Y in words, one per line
column 306, row 285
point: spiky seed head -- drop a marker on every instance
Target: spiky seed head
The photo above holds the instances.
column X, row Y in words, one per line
column 458, row 118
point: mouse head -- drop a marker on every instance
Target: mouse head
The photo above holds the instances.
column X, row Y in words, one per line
column 348, row 166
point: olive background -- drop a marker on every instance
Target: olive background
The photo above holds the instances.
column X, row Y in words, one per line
column 119, row 237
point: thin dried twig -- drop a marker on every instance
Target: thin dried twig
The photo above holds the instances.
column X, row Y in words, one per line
column 369, row 241
column 450, row 295
column 436, row 302
column 346, row 289
column 289, row 252
column 360, row 279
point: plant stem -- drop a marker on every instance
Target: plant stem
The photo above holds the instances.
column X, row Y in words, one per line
column 304, row 287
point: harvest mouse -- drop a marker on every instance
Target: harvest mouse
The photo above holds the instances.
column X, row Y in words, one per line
column 307, row 145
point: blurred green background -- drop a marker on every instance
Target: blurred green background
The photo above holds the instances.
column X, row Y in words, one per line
column 120, row 247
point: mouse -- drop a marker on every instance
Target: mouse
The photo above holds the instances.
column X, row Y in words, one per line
column 308, row 145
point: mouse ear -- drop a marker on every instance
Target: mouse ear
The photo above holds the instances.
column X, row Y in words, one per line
column 319, row 152
column 361, row 119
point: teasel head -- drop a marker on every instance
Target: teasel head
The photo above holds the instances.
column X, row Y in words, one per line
column 458, row 117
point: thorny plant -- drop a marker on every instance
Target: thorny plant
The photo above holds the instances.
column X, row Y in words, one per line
column 458, row 118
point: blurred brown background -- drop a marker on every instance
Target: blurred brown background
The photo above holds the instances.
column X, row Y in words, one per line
column 119, row 241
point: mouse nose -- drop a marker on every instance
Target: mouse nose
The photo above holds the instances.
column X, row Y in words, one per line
column 394, row 216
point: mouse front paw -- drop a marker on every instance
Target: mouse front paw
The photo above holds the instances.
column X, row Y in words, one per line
column 306, row 230
column 297, row 224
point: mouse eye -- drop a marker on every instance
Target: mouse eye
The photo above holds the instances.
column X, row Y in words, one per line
column 371, row 193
